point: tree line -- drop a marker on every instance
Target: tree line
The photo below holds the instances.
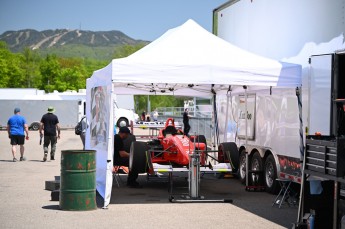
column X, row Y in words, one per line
column 28, row 69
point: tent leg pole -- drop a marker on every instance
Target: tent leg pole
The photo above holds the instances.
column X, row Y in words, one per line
column 246, row 133
column 226, row 117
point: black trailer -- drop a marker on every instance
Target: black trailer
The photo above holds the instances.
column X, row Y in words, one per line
column 322, row 199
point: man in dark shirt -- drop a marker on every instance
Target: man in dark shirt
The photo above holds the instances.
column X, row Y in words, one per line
column 121, row 157
column 49, row 125
column 186, row 122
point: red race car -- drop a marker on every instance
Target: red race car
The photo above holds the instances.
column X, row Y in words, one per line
column 171, row 147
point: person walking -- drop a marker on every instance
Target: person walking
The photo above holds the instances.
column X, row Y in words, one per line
column 84, row 126
column 48, row 127
column 155, row 115
column 143, row 116
column 186, row 122
column 16, row 125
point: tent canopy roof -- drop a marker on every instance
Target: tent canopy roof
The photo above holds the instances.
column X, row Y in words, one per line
column 188, row 60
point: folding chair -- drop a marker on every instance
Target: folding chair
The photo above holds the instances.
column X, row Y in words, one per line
column 117, row 171
column 285, row 194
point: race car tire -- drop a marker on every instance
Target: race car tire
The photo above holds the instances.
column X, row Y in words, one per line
column 137, row 157
column 127, row 142
column 201, row 139
column 230, row 150
column 154, row 142
column 271, row 184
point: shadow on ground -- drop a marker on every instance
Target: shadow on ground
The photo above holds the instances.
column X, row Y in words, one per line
column 212, row 188
column 7, row 161
column 51, row 207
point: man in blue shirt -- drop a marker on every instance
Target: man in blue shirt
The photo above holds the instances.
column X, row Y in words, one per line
column 15, row 128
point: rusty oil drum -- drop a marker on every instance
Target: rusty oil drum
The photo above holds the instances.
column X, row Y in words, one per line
column 78, row 180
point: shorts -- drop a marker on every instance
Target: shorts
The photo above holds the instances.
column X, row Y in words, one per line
column 17, row 139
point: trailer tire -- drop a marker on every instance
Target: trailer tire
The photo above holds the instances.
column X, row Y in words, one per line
column 271, row 184
column 242, row 167
column 256, row 164
column 122, row 120
column 230, row 150
column 137, row 157
column 35, row 126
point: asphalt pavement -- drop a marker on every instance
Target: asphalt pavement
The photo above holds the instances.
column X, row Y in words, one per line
column 26, row 204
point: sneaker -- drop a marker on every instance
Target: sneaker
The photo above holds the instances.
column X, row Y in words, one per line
column 52, row 158
column 15, row 159
column 22, row 159
column 45, row 157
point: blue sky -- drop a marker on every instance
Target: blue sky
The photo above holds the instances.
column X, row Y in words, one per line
column 139, row 19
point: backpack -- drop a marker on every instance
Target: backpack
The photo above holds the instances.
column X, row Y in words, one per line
column 78, row 129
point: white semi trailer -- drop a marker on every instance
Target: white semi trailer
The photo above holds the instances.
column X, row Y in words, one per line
column 69, row 112
column 305, row 32
column 69, row 106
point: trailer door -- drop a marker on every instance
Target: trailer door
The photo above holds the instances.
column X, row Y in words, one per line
column 320, row 99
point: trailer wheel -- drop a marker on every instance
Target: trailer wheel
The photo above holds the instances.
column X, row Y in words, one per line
column 118, row 124
column 229, row 149
column 242, row 167
column 256, row 164
column 271, row 184
column 137, row 157
column 35, row 125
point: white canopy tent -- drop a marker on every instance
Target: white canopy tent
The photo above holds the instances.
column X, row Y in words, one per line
column 186, row 60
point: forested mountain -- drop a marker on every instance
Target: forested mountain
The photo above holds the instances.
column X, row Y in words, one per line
column 69, row 43
column 59, row 59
